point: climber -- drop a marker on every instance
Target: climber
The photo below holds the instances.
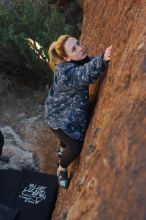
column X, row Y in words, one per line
column 67, row 108
column 3, row 158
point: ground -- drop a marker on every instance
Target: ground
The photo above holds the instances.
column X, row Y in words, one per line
column 29, row 143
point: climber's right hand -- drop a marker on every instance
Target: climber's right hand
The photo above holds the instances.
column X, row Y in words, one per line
column 107, row 54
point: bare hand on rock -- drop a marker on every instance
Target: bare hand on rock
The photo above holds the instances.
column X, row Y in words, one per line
column 107, row 54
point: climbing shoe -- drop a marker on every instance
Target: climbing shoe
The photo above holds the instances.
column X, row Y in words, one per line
column 63, row 179
column 59, row 154
column 4, row 158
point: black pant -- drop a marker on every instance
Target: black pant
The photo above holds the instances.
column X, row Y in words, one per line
column 73, row 147
column 1, row 142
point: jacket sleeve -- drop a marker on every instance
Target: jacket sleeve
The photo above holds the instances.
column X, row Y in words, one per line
column 85, row 74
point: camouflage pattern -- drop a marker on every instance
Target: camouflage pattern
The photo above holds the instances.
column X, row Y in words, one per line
column 67, row 104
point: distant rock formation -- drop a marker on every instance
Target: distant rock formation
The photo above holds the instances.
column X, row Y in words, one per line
column 19, row 156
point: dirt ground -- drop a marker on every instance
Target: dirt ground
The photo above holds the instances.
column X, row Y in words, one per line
column 26, row 133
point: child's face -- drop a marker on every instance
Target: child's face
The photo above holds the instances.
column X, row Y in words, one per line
column 74, row 50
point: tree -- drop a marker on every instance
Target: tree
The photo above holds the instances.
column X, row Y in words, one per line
column 24, row 26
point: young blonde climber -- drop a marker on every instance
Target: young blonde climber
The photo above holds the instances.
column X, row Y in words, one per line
column 67, row 107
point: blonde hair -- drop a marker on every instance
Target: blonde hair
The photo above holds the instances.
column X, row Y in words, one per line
column 57, row 52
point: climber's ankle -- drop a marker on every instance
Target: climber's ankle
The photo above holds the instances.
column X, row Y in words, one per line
column 60, row 168
column 62, row 149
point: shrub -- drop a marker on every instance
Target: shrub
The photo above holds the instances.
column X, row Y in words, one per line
column 24, row 24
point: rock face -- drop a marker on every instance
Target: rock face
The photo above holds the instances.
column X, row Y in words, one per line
column 108, row 181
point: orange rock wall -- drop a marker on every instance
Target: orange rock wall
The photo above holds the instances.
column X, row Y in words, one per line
column 108, row 181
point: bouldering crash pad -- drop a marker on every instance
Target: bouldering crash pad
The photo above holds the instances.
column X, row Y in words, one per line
column 32, row 194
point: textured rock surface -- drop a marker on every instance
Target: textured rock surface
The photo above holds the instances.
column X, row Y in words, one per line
column 109, row 179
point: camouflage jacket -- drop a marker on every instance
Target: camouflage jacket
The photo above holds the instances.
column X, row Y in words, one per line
column 67, row 104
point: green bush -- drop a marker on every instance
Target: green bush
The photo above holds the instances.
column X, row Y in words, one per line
column 33, row 20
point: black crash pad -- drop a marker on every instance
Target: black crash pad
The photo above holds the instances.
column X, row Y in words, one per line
column 30, row 194
column 7, row 213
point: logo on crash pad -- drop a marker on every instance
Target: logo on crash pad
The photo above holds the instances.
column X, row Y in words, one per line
column 33, row 194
